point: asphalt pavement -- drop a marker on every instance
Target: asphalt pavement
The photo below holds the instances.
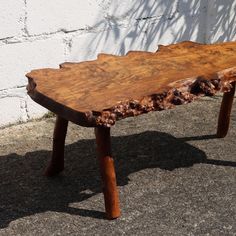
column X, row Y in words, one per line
column 174, row 177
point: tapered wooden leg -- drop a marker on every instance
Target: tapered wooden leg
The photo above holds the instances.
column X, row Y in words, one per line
column 225, row 110
column 108, row 174
column 56, row 164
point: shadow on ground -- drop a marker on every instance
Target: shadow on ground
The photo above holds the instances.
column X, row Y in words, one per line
column 24, row 191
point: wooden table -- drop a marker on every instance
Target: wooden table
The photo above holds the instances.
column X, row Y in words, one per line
column 100, row 92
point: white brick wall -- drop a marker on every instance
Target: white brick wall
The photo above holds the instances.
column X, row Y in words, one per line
column 37, row 34
column 19, row 58
column 48, row 16
column 221, row 21
column 11, row 18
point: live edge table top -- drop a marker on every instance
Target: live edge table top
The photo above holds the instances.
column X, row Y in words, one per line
column 99, row 92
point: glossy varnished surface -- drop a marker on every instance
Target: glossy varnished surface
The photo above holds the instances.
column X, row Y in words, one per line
column 114, row 87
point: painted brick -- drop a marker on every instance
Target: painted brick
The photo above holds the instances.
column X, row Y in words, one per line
column 193, row 7
column 146, row 35
column 179, row 28
column 15, row 92
column 115, row 41
column 11, row 16
column 136, row 9
column 10, row 110
column 47, row 16
column 25, row 108
column 18, row 59
column 221, row 21
column 34, row 110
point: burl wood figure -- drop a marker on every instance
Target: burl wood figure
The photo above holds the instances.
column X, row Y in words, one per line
column 100, row 92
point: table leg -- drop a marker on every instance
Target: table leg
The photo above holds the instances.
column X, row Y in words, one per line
column 107, row 170
column 56, row 164
column 225, row 110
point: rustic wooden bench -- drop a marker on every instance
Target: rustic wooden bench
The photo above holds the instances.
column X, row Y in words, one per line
column 100, row 92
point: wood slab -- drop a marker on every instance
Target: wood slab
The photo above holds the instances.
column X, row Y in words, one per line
column 100, row 92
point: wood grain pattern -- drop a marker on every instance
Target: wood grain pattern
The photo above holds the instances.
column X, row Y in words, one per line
column 225, row 111
column 100, row 92
column 56, row 164
column 108, row 174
